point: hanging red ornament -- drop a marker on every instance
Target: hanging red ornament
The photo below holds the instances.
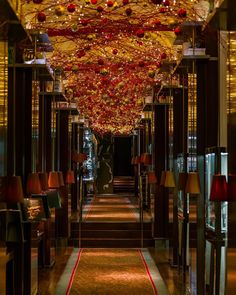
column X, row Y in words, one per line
column 159, row 64
column 128, row 11
column 94, row 2
column 163, row 55
column 115, row 51
column 166, row 3
column 41, row 16
column 125, row 2
column 177, row 31
column 37, row 1
column 71, row 7
column 182, row 12
column 140, row 33
column 110, row 3
column 100, row 9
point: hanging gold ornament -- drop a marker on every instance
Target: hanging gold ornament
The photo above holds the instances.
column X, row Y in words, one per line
column 172, row 22
column 74, row 28
column 59, row 10
column 75, row 68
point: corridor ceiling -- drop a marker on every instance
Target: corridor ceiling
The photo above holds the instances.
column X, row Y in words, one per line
column 111, row 52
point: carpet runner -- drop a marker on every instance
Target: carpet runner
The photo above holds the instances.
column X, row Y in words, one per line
column 111, row 272
column 111, row 209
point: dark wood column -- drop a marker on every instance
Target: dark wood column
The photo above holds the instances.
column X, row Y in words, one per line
column 180, row 109
column 141, row 139
column 45, row 137
column 160, row 157
column 180, row 119
column 19, row 142
column 207, row 136
column 62, row 226
column 135, row 167
column 74, row 147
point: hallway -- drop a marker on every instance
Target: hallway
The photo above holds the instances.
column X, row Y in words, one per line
column 117, row 147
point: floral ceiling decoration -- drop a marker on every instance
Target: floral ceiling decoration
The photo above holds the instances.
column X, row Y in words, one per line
column 110, row 51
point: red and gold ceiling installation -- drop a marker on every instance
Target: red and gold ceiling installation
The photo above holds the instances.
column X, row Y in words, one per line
column 110, row 51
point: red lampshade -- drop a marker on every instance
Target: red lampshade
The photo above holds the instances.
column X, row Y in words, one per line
column 232, row 187
column 60, row 178
column 70, row 178
column 11, row 189
column 218, row 188
column 33, row 185
column 43, row 178
column 182, row 181
column 147, row 159
column 193, row 183
column 152, row 179
column 53, row 181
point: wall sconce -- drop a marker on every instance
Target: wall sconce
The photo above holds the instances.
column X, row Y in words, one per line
column 53, row 181
column 193, row 183
column 218, row 188
column 147, row 159
column 33, row 185
column 169, row 179
column 11, row 189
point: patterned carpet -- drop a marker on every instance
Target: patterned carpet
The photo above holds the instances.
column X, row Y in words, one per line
column 111, row 208
column 111, row 272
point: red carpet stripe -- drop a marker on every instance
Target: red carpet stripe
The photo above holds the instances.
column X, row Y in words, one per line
column 148, row 272
column 73, row 273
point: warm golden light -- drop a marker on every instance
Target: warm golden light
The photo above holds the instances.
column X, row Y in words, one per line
column 53, row 181
column 193, row 183
column 33, row 185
